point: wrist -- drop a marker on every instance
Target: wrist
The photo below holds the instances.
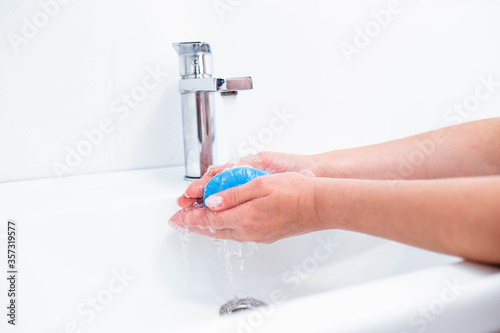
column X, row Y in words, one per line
column 308, row 204
column 342, row 203
column 333, row 164
column 320, row 165
column 326, row 206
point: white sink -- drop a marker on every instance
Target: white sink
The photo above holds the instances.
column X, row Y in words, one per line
column 77, row 236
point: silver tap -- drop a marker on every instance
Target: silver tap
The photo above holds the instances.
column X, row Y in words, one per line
column 197, row 88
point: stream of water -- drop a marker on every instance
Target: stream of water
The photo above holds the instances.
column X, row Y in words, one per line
column 232, row 137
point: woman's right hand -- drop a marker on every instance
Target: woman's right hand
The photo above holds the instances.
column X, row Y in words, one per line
column 267, row 161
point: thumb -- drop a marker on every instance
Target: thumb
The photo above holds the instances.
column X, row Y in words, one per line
column 235, row 196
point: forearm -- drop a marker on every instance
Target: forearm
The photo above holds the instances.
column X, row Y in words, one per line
column 470, row 149
column 455, row 216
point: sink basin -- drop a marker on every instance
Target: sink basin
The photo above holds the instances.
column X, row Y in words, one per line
column 97, row 254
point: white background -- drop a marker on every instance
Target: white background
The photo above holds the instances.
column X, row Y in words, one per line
column 64, row 79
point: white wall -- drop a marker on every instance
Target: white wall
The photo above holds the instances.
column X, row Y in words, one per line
column 65, row 76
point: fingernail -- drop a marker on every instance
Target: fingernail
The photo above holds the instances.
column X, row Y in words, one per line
column 186, row 195
column 173, row 224
column 213, row 201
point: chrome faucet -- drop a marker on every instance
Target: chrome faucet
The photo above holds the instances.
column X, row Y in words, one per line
column 197, row 88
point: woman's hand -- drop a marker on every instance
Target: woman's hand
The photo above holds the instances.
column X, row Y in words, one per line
column 268, row 161
column 264, row 210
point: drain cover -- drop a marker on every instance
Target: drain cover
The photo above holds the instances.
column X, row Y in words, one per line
column 240, row 304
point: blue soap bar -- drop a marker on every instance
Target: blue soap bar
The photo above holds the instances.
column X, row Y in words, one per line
column 231, row 178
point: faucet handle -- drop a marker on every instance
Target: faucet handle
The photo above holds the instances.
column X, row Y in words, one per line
column 234, row 84
column 215, row 84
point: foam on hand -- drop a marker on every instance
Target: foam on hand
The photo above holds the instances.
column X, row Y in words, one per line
column 231, row 178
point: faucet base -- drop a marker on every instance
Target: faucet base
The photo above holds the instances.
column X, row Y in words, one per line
column 191, row 179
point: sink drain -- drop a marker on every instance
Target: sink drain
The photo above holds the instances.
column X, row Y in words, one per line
column 240, row 304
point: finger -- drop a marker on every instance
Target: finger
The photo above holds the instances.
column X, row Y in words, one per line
column 196, row 188
column 198, row 217
column 185, row 202
column 256, row 161
column 307, row 173
column 217, row 234
column 238, row 195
